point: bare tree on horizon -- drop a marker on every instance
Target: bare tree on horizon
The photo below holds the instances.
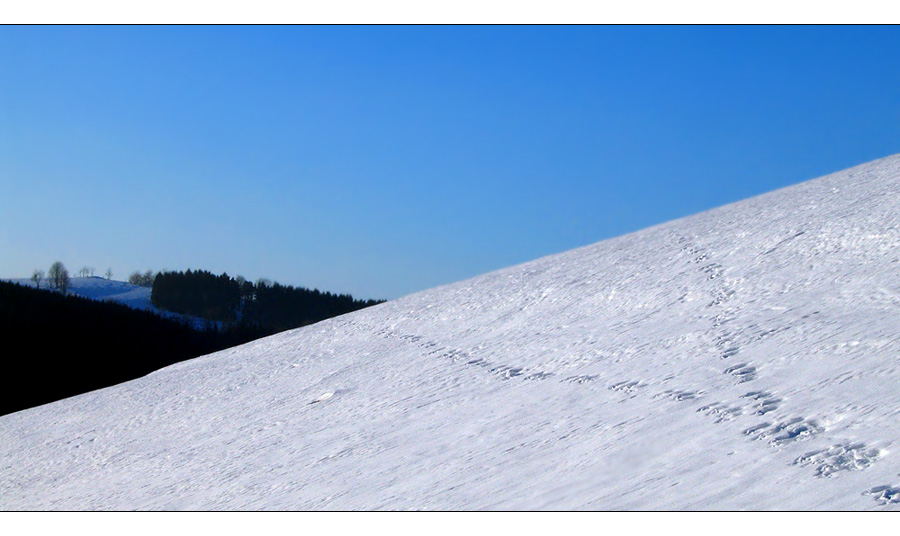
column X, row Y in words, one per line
column 37, row 276
column 58, row 277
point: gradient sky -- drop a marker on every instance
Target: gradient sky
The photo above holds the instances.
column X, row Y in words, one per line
column 384, row 160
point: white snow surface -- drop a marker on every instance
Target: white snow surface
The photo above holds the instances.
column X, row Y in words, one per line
column 744, row 358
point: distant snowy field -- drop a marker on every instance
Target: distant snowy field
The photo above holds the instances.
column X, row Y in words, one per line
column 744, row 358
column 99, row 288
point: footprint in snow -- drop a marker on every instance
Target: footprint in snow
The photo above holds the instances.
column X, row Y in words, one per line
column 841, row 457
column 744, row 372
column 885, row 494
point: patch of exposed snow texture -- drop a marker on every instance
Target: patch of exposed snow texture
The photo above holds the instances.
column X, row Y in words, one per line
column 744, row 358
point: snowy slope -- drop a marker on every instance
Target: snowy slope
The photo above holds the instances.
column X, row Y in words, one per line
column 744, row 358
column 134, row 296
column 98, row 288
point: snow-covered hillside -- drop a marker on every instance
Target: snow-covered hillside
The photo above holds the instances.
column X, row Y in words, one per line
column 134, row 296
column 743, row 358
column 99, row 288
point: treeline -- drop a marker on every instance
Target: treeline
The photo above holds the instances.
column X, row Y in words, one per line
column 142, row 279
column 58, row 277
column 197, row 293
column 59, row 346
column 264, row 306
column 281, row 307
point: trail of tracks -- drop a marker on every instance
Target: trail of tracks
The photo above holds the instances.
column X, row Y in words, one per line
column 773, row 427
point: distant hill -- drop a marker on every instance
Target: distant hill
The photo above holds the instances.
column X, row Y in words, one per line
column 134, row 296
column 59, row 346
column 116, row 333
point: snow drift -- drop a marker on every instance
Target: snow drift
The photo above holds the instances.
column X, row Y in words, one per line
column 744, row 358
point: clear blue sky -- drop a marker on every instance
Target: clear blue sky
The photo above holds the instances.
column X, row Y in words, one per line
column 385, row 160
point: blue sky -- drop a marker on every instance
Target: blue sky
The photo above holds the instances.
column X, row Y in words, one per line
column 384, row 160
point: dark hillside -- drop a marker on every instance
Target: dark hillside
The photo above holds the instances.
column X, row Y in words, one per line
column 59, row 346
column 263, row 306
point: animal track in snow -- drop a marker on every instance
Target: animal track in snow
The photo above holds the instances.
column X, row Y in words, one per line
column 538, row 376
column 627, row 386
column 679, row 396
column 788, row 431
column 723, row 317
column 453, row 354
column 795, row 431
column 721, row 411
column 758, row 334
column 844, row 457
column 584, row 378
column 730, row 351
column 506, row 372
column 719, row 297
column 885, row 494
column 756, row 431
column 725, row 342
column 713, row 271
column 765, row 402
column 744, row 372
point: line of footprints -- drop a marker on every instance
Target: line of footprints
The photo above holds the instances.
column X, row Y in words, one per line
column 825, row 463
